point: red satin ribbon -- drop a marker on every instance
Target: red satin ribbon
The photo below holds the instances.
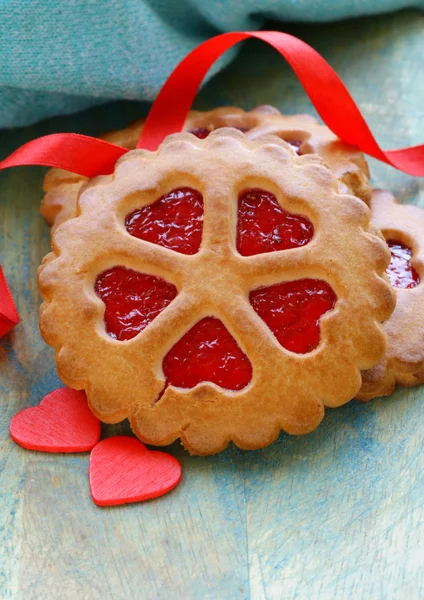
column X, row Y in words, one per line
column 73, row 152
column 90, row 156
column 8, row 314
column 324, row 87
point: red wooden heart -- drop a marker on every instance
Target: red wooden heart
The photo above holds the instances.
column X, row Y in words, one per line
column 62, row 422
column 123, row 470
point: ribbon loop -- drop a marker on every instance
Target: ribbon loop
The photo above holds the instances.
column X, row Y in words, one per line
column 324, row 87
column 90, row 156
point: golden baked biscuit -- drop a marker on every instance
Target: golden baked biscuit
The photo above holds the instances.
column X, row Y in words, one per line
column 303, row 132
column 217, row 289
column 403, row 228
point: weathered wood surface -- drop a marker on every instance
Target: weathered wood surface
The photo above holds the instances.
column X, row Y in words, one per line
column 337, row 514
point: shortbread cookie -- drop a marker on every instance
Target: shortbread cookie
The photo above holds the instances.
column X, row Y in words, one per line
column 403, row 228
column 302, row 131
column 218, row 289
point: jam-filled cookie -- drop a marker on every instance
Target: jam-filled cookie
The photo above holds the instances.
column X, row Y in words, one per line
column 218, row 289
column 403, row 228
column 302, row 132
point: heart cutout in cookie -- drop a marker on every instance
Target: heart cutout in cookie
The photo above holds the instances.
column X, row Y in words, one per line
column 62, row 422
column 400, row 270
column 132, row 300
column 200, row 132
column 264, row 226
column 203, row 132
column 122, row 470
column 174, row 221
column 292, row 310
column 207, row 352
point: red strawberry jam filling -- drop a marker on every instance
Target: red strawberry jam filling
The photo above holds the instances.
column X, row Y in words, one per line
column 203, row 132
column 400, row 271
column 292, row 311
column 175, row 221
column 294, row 144
column 132, row 300
column 263, row 226
column 200, row 132
column 208, row 352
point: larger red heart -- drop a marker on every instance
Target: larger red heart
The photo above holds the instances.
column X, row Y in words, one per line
column 123, row 470
column 62, row 422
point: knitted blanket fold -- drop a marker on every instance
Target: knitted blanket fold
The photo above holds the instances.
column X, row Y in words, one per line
column 62, row 56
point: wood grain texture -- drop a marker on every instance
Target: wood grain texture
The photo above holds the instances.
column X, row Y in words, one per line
column 336, row 514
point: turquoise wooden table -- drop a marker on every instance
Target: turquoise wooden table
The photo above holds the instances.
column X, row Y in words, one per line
column 336, row 514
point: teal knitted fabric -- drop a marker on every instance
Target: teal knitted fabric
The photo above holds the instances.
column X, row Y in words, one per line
column 61, row 56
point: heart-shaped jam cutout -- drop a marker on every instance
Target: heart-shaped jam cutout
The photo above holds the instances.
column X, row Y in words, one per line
column 203, row 132
column 400, row 271
column 292, row 311
column 132, row 300
column 264, row 226
column 208, row 352
column 175, row 221
column 294, row 145
column 200, row 132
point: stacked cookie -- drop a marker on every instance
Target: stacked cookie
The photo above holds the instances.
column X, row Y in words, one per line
column 233, row 283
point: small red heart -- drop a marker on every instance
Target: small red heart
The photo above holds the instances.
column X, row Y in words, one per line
column 123, row 470
column 62, row 422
